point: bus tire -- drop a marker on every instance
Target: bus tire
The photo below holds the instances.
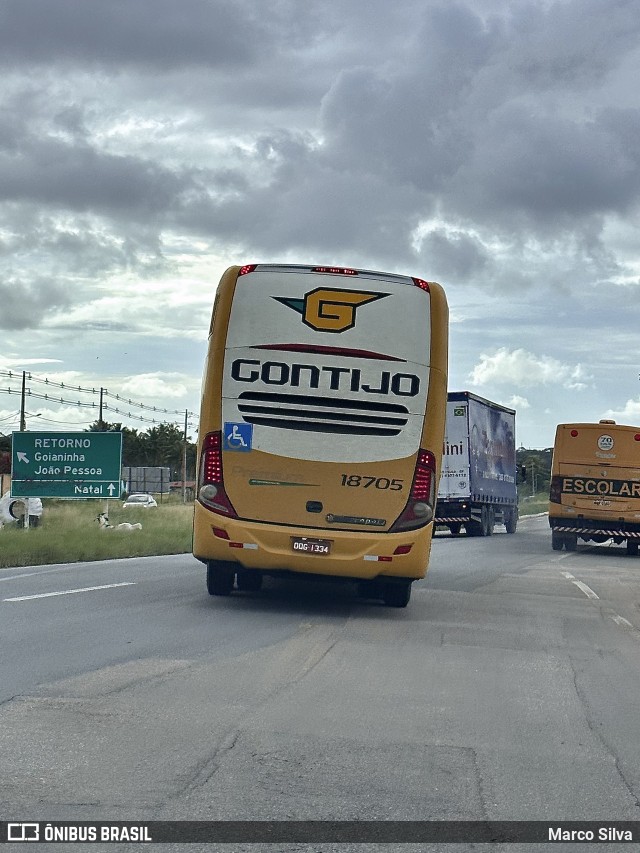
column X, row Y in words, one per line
column 632, row 547
column 249, row 581
column 571, row 543
column 557, row 540
column 220, row 578
column 396, row 594
column 511, row 520
column 369, row 589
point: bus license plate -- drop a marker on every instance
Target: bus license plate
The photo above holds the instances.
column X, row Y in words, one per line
column 303, row 545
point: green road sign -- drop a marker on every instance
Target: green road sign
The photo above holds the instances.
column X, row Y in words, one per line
column 66, row 464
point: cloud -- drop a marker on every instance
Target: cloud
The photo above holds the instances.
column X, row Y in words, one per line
column 160, row 35
column 145, row 146
column 527, row 370
column 163, row 385
column 517, row 402
column 24, row 305
column 628, row 414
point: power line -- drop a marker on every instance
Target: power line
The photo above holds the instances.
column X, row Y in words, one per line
column 69, row 387
column 52, row 398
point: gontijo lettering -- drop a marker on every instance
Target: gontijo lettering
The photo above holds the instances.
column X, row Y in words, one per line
column 589, row 486
column 314, row 376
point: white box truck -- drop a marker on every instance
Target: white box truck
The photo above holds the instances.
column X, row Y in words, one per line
column 478, row 482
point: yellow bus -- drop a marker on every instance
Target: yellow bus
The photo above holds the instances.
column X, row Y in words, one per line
column 595, row 485
column 321, row 428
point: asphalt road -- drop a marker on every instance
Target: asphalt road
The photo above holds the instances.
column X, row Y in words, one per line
column 509, row 689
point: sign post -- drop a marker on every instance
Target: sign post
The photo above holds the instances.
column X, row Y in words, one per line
column 66, row 464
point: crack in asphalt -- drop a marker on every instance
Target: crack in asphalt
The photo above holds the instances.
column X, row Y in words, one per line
column 600, row 735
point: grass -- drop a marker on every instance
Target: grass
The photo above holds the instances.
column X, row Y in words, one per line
column 533, row 504
column 69, row 533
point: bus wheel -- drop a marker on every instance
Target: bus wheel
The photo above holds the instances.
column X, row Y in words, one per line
column 220, row 577
column 557, row 540
column 571, row 543
column 369, row 589
column 250, row 581
column 396, row 594
column 632, row 548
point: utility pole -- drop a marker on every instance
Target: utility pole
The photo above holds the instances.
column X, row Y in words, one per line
column 23, row 426
column 23, row 420
column 184, row 459
column 533, row 477
column 100, row 423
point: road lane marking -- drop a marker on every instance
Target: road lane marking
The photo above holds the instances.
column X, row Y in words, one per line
column 581, row 586
column 586, row 589
column 17, row 577
column 69, row 591
column 621, row 621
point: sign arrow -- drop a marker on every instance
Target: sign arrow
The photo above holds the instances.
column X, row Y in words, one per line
column 111, row 488
column 22, row 457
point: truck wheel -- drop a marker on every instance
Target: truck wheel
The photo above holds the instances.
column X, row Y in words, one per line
column 557, row 540
column 455, row 529
column 511, row 520
column 632, row 548
column 487, row 520
column 396, row 594
column 249, row 581
column 220, row 577
column 571, row 543
column 473, row 528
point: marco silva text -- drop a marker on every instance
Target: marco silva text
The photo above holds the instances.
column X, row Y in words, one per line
column 601, row 833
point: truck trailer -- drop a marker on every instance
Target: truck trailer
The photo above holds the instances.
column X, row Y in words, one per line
column 478, row 482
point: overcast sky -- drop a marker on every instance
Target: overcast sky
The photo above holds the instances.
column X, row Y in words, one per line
column 146, row 145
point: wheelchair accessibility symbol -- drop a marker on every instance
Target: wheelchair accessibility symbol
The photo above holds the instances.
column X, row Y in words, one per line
column 237, row 437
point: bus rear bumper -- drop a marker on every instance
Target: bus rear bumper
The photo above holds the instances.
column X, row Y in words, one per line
column 269, row 548
column 597, row 530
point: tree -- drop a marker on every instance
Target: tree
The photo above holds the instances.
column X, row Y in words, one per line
column 538, row 466
column 160, row 446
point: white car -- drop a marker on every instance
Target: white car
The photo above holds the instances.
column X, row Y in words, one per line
column 144, row 501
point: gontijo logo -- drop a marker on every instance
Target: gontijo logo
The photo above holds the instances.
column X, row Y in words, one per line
column 329, row 310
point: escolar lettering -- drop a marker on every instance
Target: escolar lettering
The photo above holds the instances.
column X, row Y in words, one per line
column 599, row 488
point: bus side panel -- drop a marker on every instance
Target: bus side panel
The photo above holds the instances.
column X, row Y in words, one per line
column 211, row 392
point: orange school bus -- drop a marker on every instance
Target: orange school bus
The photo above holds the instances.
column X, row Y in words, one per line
column 321, row 428
column 595, row 485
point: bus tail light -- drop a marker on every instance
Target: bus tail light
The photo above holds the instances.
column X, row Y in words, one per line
column 555, row 490
column 422, row 498
column 247, row 268
column 422, row 284
column 211, row 492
